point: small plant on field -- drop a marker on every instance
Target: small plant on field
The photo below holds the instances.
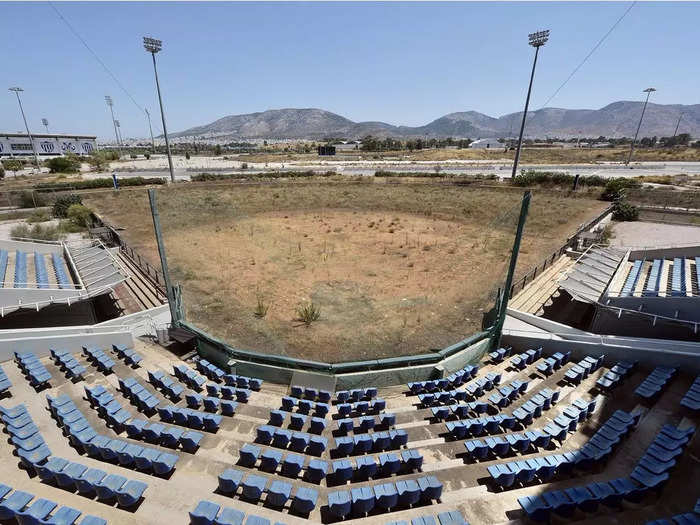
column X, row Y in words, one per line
column 38, row 231
column 38, row 216
column 308, row 313
column 261, row 307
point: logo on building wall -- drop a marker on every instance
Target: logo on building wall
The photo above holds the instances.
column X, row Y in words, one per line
column 47, row 147
column 68, row 146
column 87, row 147
column 2, row 146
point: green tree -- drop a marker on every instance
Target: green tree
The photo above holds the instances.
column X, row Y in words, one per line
column 217, row 150
column 62, row 203
column 68, row 163
column 79, row 215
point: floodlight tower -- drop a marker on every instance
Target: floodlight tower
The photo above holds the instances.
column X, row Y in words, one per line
column 536, row 40
column 119, row 131
column 648, row 91
column 17, row 91
column 675, row 132
column 153, row 46
column 110, row 103
column 45, row 122
column 153, row 142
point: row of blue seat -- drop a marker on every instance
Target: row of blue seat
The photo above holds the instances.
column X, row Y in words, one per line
column 242, row 395
column 20, row 269
column 188, row 376
column 448, row 517
column 99, row 359
column 129, row 355
column 165, row 383
column 386, row 496
column 189, row 417
column 656, row 382
column 654, row 279
column 459, row 410
column 68, row 364
column 687, row 518
column 354, row 395
column 278, row 492
column 42, row 276
column 550, row 364
column 363, row 424
column 691, row 399
column 581, row 370
column 107, row 407
column 506, row 394
column 297, row 441
column 650, row 473
column 616, row 375
column 678, row 287
column 365, row 467
column 243, row 381
column 60, row 269
column 365, row 443
column 3, row 266
column 632, row 278
column 167, row 436
column 36, row 372
column 533, row 408
column 5, row 382
column 312, row 394
column 25, row 436
column 138, row 395
column 360, row 407
column 455, row 379
column 19, row 506
column 297, row 421
column 520, row 362
column 597, row 449
column 208, row 513
column 305, row 406
column 210, row 370
column 499, row 355
column 83, row 436
column 213, row 404
column 473, row 390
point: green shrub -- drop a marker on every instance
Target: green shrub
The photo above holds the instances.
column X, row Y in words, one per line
column 63, row 203
column 147, row 155
column 79, row 215
column 100, row 160
column 38, row 231
column 98, row 183
column 623, row 211
column 38, row 216
column 13, row 164
column 2, row 172
column 615, row 188
column 308, row 313
column 132, row 156
column 31, row 199
column 204, row 177
column 69, row 163
column 187, row 155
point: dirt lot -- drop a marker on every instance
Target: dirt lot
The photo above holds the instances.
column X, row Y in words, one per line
column 394, row 268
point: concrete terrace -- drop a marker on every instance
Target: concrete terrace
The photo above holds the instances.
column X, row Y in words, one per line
column 466, row 484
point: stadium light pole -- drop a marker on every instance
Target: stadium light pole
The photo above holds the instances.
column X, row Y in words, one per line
column 153, row 46
column 110, row 103
column 648, row 91
column 675, row 132
column 536, row 40
column 119, row 131
column 17, row 91
column 45, row 122
column 153, row 142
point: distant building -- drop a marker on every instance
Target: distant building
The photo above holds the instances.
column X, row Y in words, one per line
column 48, row 145
column 487, row 144
column 326, row 150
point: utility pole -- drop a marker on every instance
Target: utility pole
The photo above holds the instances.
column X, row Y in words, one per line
column 536, row 40
column 675, row 132
column 153, row 46
column 648, row 91
column 153, row 142
column 163, row 259
column 110, row 103
column 17, row 91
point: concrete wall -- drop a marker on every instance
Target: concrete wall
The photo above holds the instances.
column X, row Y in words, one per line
column 681, row 356
column 665, row 253
column 41, row 340
column 31, row 247
column 142, row 323
column 630, row 324
column 685, row 308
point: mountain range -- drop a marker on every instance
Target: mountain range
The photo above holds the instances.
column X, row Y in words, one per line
column 618, row 119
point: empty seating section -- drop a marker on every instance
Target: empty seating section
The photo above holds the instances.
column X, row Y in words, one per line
column 36, row 373
column 42, row 277
column 128, row 355
column 188, row 376
column 85, row 438
column 210, row 370
column 453, row 380
column 616, row 375
column 20, row 269
column 581, row 370
column 165, row 384
column 60, row 270
column 499, row 355
column 649, row 474
column 541, row 469
column 68, row 364
column 678, row 277
column 3, row 267
column 24, row 508
column 655, row 382
column 309, row 444
column 652, row 287
column 691, row 399
column 99, row 359
column 5, row 382
column 188, row 417
column 632, row 277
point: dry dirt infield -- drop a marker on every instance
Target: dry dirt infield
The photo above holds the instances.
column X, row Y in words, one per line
column 395, row 268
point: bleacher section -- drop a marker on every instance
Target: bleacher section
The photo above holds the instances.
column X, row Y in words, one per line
column 133, row 435
column 657, row 277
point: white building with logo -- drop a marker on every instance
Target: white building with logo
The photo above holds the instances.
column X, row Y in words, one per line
column 47, row 145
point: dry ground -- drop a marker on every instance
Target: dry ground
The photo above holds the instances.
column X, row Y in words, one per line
column 395, row 268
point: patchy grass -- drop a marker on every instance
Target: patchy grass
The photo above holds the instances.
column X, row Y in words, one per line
column 394, row 268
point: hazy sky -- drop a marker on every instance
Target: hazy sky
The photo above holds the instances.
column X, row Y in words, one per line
column 402, row 63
